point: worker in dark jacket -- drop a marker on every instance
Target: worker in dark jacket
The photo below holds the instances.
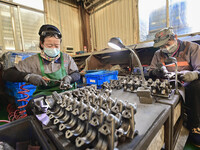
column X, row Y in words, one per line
column 187, row 55
column 51, row 70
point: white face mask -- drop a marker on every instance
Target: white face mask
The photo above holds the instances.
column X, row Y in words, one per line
column 170, row 49
column 51, row 52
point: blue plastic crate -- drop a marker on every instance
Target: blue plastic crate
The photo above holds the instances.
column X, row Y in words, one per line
column 100, row 77
column 12, row 88
column 92, row 71
column 9, row 58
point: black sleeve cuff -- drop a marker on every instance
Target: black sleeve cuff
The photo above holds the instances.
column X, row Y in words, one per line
column 13, row 75
column 75, row 76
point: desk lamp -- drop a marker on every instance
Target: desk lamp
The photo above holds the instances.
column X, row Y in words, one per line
column 117, row 44
column 143, row 92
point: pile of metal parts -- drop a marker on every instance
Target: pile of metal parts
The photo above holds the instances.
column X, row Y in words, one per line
column 86, row 118
column 131, row 84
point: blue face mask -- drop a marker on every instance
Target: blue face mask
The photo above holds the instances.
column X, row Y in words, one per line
column 51, row 52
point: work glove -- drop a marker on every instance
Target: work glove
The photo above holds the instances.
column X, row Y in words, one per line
column 65, row 83
column 67, row 79
column 188, row 76
column 35, row 79
column 158, row 72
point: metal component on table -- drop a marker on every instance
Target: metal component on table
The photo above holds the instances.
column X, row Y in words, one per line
column 108, row 92
column 105, row 85
column 55, row 109
column 162, row 89
column 149, row 81
column 154, row 88
column 131, row 85
column 118, row 107
column 62, row 120
column 66, row 116
column 157, row 81
column 82, row 127
column 124, row 83
column 110, row 102
column 78, row 108
column 118, row 84
column 93, row 99
column 77, row 116
column 66, row 119
column 57, row 97
column 50, row 102
column 67, row 93
column 91, row 137
column 71, row 124
column 59, row 114
column 127, row 127
column 64, row 86
column 100, row 101
column 112, row 84
column 78, row 93
column 41, row 104
column 107, row 133
column 144, row 95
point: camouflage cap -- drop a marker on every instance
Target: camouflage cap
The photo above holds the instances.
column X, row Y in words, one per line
column 163, row 36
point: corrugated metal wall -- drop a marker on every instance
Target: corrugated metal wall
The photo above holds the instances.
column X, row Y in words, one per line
column 69, row 20
column 117, row 19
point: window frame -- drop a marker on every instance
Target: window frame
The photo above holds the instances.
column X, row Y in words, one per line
column 19, row 6
column 189, row 37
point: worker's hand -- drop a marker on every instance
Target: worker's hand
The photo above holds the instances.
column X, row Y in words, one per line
column 65, row 83
column 188, row 76
column 158, row 72
column 67, row 79
column 35, row 79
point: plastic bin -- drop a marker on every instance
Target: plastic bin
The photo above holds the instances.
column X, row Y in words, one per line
column 92, row 71
column 100, row 77
column 11, row 58
column 26, row 129
column 12, row 88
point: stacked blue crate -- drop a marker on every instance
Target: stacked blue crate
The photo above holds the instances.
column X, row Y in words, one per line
column 9, row 59
column 13, row 89
column 99, row 77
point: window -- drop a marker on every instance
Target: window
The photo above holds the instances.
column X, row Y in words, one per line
column 31, row 22
column 7, row 40
column 37, row 4
column 152, row 16
column 11, row 24
column 183, row 17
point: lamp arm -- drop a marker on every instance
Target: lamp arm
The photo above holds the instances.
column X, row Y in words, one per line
column 139, row 63
column 176, row 77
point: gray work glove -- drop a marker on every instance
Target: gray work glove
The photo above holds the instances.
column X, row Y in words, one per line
column 65, row 82
column 35, row 79
column 188, row 76
column 159, row 72
column 67, row 79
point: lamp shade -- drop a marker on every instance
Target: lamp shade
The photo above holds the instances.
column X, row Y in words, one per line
column 116, row 43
